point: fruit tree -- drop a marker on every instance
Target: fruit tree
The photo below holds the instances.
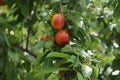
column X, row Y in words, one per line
column 59, row 40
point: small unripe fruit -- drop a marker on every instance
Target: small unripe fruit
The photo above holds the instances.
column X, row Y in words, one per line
column 43, row 38
column 62, row 37
column 57, row 21
column 1, row 2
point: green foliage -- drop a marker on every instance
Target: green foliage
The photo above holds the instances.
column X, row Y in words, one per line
column 116, row 11
column 92, row 54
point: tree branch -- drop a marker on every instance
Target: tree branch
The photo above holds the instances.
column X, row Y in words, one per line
column 31, row 19
column 28, row 35
column 61, row 11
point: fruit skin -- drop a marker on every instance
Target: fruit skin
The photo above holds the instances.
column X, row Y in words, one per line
column 57, row 21
column 62, row 37
column 1, row 2
column 43, row 38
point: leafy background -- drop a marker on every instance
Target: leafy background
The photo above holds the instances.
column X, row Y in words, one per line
column 92, row 54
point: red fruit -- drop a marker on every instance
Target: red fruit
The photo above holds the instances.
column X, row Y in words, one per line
column 62, row 37
column 44, row 38
column 57, row 21
column 1, row 2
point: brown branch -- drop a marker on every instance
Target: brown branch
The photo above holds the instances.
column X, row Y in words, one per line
column 60, row 3
column 32, row 17
column 28, row 35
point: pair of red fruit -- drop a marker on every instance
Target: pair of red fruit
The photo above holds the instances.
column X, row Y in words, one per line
column 62, row 37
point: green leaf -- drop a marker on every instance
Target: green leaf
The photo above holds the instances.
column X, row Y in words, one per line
column 72, row 59
column 51, row 69
column 31, row 76
column 80, row 77
column 48, row 44
column 38, row 45
column 59, row 55
column 68, row 49
column 39, row 75
column 2, row 63
column 11, row 73
column 95, row 73
column 75, row 61
column 48, row 63
column 80, row 34
column 54, row 1
column 65, row 1
column 13, row 39
column 14, row 56
column 117, row 77
column 4, row 40
column 116, row 64
column 53, row 77
column 116, row 13
column 2, row 20
column 24, row 6
column 61, row 62
column 74, row 18
column 116, row 52
column 83, row 4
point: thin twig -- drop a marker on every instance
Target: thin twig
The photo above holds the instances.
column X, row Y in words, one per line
column 61, row 11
